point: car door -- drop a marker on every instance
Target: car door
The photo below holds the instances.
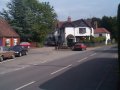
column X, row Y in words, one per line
column 7, row 53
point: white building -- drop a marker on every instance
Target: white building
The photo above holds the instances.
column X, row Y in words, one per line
column 103, row 32
column 75, row 31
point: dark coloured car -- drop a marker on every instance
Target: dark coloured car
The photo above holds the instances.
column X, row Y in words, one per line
column 19, row 50
column 49, row 43
column 5, row 53
column 79, row 46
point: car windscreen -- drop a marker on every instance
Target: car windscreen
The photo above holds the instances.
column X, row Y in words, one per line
column 16, row 48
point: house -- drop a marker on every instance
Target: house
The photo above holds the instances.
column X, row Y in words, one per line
column 74, row 31
column 83, row 29
column 8, row 37
column 98, row 32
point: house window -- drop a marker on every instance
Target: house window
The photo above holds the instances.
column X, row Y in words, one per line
column 7, row 43
column 100, row 35
column 82, row 30
column 15, row 42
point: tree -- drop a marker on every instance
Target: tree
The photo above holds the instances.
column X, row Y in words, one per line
column 110, row 23
column 30, row 18
column 15, row 15
column 95, row 21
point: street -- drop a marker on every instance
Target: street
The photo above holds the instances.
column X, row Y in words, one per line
column 95, row 69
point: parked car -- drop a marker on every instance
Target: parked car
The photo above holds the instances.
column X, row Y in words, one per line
column 25, row 44
column 5, row 53
column 79, row 46
column 49, row 43
column 19, row 50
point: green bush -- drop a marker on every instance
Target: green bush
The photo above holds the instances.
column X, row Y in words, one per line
column 94, row 40
column 98, row 39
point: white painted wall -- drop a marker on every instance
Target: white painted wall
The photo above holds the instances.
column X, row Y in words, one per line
column 107, row 38
column 68, row 31
column 88, row 31
column 75, row 31
column 15, row 41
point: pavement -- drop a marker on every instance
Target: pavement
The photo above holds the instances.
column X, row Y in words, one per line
column 49, row 49
column 49, row 53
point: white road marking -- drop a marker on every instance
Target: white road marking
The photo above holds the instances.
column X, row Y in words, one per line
column 36, row 64
column 13, row 70
column 1, row 73
column 61, row 69
column 22, row 67
column 93, row 54
column 83, row 59
column 105, row 49
column 25, row 85
column 100, row 83
column 39, row 63
column 44, row 62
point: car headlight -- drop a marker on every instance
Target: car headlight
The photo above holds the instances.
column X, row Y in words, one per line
column 16, row 52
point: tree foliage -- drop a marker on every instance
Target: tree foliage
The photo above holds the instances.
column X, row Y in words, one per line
column 110, row 23
column 32, row 19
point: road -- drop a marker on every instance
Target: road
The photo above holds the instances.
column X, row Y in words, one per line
column 85, row 70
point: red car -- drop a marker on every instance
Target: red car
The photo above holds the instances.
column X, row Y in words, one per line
column 25, row 44
column 79, row 46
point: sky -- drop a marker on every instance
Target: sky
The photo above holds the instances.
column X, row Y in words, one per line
column 78, row 9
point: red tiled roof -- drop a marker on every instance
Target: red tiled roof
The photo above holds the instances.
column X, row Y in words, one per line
column 101, row 30
column 6, row 30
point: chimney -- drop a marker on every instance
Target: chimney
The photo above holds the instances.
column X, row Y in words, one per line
column 69, row 19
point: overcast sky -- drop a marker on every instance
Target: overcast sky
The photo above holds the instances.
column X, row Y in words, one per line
column 78, row 9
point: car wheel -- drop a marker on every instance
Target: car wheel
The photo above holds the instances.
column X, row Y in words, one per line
column 13, row 56
column 72, row 48
column 26, row 53
column 82, row 49
column 1, row 58
column 20, row 54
